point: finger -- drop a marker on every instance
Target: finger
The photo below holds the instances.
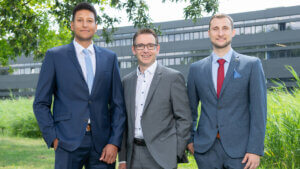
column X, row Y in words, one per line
column 245, row 158
column 103, row 154
column 247, row 165
column 252, row 166
column 107, row 157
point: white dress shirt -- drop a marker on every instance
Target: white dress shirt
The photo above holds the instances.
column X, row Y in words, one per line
column 80, row 56
column 215, row 66
column 142, row 87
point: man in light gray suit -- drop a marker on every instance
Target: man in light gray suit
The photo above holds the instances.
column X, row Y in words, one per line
column 232, row 91
column 159, row 116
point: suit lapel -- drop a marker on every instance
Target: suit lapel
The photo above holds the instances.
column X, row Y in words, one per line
column 99, row 65
column 153, row 86
column 232, row 65
column 73, row 57
column 132, row 91
column 208, row 70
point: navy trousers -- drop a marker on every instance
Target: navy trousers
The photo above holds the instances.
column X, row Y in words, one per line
column 84, row 155
column 217, row 158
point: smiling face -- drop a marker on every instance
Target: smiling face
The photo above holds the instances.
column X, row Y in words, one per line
column 84, row 25
column 221, row 33
column 146, row 57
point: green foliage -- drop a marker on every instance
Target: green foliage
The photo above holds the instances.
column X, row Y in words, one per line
column 17, row 118
column 30, row 27
column 282, row 146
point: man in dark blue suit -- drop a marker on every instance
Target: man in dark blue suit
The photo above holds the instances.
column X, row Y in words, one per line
column 86, row 125
column 232, row 90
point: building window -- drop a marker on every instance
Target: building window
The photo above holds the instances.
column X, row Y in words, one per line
column 258, row 29
column 186, row 36
column 196, row 35
column 177, row 37
column 281, row 26
column 171, row 38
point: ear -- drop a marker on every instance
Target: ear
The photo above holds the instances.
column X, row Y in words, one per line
column 133, row 50
column 72, row 26
column 157, row 49
column 233, row 32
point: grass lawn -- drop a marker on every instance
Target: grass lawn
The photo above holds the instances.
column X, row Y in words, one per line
column 26, row 153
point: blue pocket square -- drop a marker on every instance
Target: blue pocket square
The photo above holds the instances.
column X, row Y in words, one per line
column 236, row 74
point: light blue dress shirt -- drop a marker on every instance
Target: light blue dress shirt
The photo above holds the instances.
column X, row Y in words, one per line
column 215, row 65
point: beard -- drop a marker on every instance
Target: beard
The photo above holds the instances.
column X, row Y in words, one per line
column 217, row 46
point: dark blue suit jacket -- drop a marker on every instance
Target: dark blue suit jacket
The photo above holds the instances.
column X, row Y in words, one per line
column 61, row 79
column 239, row 115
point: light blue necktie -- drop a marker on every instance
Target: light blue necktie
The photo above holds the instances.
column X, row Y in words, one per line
column 89, row 69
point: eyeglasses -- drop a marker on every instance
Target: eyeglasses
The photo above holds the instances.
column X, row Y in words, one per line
column 150, row 46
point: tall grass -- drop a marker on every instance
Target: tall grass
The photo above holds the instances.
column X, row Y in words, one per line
column 282, row 145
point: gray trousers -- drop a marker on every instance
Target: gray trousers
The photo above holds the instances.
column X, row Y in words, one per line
column 216, row 158
column 142, row 159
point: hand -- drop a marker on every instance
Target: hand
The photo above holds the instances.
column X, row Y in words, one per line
column 252, row 161
column 55, row 144
column 109, row 154
column 122, row 166
column 191, row 147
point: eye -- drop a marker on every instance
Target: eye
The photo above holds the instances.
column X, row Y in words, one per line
column 140, row 45
column 215, row 28
column 151, row 45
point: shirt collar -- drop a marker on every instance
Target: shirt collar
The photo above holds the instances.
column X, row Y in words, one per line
column 226, row 57
column 79, row 48
column 151, row 69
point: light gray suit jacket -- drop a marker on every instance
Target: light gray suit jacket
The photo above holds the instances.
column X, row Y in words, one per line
column 239, row 115
column 166, row 120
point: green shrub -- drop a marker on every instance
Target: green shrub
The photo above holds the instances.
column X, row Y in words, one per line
column 17, row 118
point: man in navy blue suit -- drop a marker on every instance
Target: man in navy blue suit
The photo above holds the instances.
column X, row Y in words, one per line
column 87, row 121
column 232, row 90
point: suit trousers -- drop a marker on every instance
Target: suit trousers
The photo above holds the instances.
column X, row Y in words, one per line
column 84, row 155
column 142, row 159
column 217, row 158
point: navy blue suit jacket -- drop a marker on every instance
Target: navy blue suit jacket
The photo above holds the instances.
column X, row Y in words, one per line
column 61, row 79
column 239, row 115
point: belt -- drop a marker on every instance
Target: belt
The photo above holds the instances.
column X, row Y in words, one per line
column 88, row 128
column 139, row 142
column 218, row 136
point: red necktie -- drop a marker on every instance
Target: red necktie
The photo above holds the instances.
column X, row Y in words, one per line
column 220, row 76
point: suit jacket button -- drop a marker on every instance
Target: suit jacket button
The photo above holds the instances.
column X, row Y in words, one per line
column 90, row 102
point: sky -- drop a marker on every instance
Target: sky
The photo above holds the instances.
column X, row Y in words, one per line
column 161, row 12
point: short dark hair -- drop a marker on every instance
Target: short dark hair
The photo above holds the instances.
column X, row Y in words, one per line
column 220, row 16
column 145, row 31
column 82, row 6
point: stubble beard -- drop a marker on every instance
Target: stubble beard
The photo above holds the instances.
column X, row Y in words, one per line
column 221, row 46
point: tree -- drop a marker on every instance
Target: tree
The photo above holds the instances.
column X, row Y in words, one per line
column 30, row 27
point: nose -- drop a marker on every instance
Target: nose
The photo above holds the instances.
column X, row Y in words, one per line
column 221, row 32
column 84, row 24
column 145, row 49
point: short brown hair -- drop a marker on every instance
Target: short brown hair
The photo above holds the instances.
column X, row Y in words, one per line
column 220, row 16
column 145, row 31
